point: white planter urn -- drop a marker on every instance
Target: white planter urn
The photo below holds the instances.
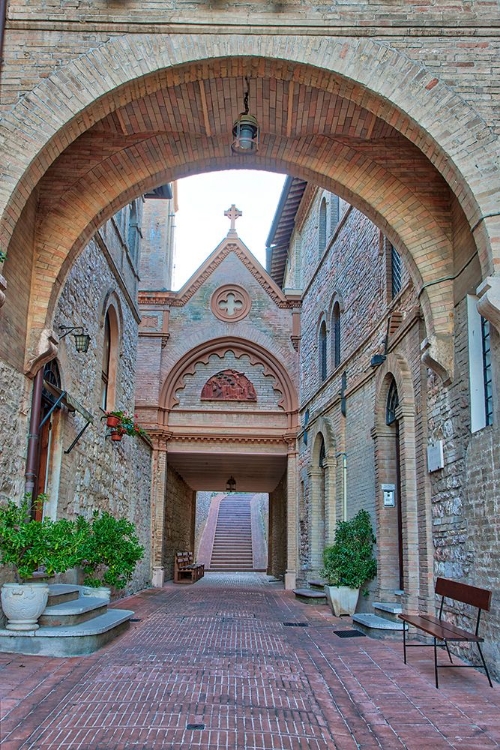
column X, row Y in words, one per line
column 342, row 599
column 23, row 603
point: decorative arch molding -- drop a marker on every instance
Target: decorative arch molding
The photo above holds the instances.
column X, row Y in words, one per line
column 336, row 298
column 395, row 366
column 322, row 427
column 240, row 347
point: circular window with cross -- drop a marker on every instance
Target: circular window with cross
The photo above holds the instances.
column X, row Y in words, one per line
column 230, row 303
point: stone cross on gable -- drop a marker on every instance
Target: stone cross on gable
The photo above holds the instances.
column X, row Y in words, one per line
column 233, row 213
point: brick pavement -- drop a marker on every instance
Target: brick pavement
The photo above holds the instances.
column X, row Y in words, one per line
column 214, row 666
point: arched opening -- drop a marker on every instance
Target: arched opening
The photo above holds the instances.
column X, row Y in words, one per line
column 394, row 468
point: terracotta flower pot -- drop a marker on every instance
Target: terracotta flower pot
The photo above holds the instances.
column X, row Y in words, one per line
column 113, row 421
column 116, row 436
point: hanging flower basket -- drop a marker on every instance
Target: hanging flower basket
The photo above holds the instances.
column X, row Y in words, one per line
column 116, row 435
column 113, row 421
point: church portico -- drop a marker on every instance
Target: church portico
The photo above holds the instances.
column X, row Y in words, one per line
column 225, row 405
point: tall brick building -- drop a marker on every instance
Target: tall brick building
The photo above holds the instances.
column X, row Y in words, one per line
column 392, row 108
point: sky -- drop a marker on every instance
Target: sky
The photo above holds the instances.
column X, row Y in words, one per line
column 200, row 221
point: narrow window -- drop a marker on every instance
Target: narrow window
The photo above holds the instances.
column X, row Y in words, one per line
column 396, row 272
column 133, row 233
column 334, row 212
column 322, row 226
column 488, row 390
column 106, row 348
column 336, row 334
column 322, row 351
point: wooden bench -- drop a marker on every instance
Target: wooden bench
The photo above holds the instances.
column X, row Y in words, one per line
column 443, row 631
column 185, row 569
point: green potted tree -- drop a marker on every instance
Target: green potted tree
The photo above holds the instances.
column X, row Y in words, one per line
column 28, row 546
column 349, row 563
column 109, row 554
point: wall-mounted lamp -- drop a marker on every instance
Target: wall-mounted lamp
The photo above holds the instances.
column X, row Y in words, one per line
column 82, row 338
column 377, row 360
column 231, row 484
column 246, row 129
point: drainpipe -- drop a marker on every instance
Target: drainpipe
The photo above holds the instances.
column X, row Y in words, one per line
column 34, row 436
column 344, row 484
column 3, row 21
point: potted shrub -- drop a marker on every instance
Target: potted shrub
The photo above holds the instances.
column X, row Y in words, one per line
column 109, row 553
column 28, row 545
column 349, row 563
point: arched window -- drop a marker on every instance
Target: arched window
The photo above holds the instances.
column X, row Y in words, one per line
column 336, row 334
column 109, row 360
column 322, row 226
column 392, row 403
column 322, row 352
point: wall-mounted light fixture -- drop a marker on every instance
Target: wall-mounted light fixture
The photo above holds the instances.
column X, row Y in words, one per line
column 246, row 129
column 82, row 338
column 231, row 484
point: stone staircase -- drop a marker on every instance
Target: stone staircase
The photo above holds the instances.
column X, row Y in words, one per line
column 71, row 625
column 383, row 622
column 232, row 550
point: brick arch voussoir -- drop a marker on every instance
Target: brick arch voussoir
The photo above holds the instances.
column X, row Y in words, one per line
column 257, row 353
column 399, row 90
column 413, row 228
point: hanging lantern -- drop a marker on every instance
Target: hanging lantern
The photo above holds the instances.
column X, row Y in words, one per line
column 245, row 130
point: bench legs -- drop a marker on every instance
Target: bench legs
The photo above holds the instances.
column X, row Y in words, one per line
column 435, row 646
column 484, row 664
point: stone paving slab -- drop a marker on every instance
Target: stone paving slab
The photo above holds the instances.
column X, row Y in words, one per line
column 215, row 666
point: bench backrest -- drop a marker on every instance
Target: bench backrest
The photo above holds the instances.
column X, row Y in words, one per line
column 462, row 592
column 183, row 558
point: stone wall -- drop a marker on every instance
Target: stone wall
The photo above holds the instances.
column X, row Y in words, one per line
column 278, row 531
column 96, row 473
column 465, row 494
column 180, row 513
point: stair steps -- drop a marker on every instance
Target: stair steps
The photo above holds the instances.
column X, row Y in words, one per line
column 383, row 623
column 232, row 548
column 71, row 625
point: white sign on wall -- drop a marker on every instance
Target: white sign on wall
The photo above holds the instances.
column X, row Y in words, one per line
column 435, row 459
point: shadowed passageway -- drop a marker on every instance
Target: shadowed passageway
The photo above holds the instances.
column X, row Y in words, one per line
column 236, row 662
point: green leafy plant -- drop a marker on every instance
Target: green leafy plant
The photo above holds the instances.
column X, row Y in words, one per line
column 29, row 545
column 2, row 256
column 110, row 552
column 350, row 561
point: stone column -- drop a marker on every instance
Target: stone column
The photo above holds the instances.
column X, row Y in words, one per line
column 292, row 515
column 330, row 465
column 158, row 503
column 316, row 516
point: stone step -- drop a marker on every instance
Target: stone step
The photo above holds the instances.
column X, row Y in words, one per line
column 388, row 610
column 75, row 640
column 73, row 612
column 62, row 592
column 377, row 627
column 310, row 596
column 317, row 584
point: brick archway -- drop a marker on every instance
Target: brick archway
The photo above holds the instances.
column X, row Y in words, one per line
column 76, row 198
